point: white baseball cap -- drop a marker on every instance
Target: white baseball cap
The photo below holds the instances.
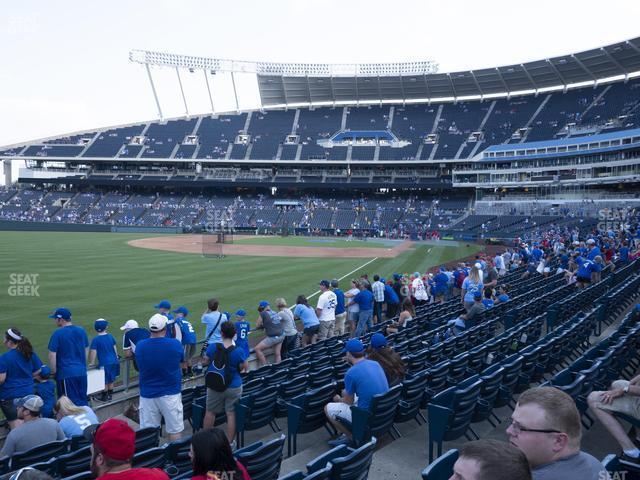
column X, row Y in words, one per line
column 129, row 324
column 157, row 322
column 591, row 241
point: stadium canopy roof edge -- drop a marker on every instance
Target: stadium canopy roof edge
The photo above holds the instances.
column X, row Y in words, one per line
column 299, row 84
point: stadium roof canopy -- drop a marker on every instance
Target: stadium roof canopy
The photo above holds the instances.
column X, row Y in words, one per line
column 289, row 84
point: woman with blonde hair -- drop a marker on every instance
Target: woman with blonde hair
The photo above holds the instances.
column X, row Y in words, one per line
column 289, row 325
column 471, row 285
column 72, row 418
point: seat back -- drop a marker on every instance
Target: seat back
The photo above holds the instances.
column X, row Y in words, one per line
column 88, row 475
column 289, row 390
column 75, row 462
column 381, row 414
column 147, row 438
column 259, row 409
column 78, row 442
column 442, row 467
column 151, row 458
column 312, row 405
column 318, row 378
column 354, row 466
column 177, row 454
column 41, row 453
column 262, row 460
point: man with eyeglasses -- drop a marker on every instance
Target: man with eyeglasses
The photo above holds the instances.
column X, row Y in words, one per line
column 546, row 426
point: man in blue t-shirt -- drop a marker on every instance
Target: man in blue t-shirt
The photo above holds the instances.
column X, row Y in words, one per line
column 242, row 332
column 593, row 250
column 624, row 252
column 160, row 362
column 341, row 311
column 391, row 299
column 364, row 299
column 189, row 338
column 68, row 350
column 363, row 380
column 441, row 282
column 225, row 401
column 103, row 347
column 133, row 335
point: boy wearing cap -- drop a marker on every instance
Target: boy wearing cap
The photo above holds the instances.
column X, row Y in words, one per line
column 363, row 380
column 46, row 389
column 173, row 329
column 68, row 350
column 103, row 346
column 112, row 448
column 189, row 338
column 326, row 311
column 34, row 430
column 242, row 332
column 133, row 334
column 160, row 362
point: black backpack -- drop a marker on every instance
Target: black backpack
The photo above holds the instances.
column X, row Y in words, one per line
column 220, row 375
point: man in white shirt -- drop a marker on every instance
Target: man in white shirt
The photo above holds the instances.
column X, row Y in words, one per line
column 418, row 290
column 326, row 310
column 500, row 266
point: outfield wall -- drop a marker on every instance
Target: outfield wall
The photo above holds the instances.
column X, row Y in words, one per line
column 23, row 226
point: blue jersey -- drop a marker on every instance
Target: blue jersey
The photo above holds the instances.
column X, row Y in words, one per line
column 47, row 392
column 624, row 254
column 19, row 374
column 73, row 425
column 236, row 359
column 159, row 366
column 69, row 344
column 189, row 336
column 339, row 301
column 104, row 347
column 593, row 253
column 132, row 337
column 307, row 315
column 242, row 331
column 586, row 267
column 441, row 281
column 390, row 296
column 536, row 254
column 364, row 298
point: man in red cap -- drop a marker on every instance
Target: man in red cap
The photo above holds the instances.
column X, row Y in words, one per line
column 112, row 448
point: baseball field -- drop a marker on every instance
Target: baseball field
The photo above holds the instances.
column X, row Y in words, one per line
column 119, row 276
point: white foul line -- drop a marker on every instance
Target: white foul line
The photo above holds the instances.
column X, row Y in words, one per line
column 346, row 275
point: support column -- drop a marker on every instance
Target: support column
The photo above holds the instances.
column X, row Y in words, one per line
column 184, row 99
column 206, row 79
column 235, row 93
column 8, row 177
column 153, row 89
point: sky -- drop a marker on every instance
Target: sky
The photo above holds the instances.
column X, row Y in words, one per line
column 66, row 67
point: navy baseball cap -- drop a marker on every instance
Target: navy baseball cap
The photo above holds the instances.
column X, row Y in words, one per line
column 477, row 295
column 183, row 310
column 241, row 313
column 100, row 325
column 353, row 346
column 324, row 283
column 163, row 304
column 263, row 304
column 45, row 371
column 378, row 340
column 61, row 313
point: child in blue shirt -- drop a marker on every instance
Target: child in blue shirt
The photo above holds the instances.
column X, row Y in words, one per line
column 45, row 388
column 103, row 346
column 242, row 332
column 189, row 338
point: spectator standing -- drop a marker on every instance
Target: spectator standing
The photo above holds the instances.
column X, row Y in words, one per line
column 441, row 281
column 353, row 309
column 103, row 346
column 470, row 286
column 391, row 299
column 341, row 313
column 72, row 418
column 364, row 299
column 274, row 331
column 233, row 360
column 213, row 319
column 112, row 449
column 289, row 327
column 419, row 293
column 160, row 360
column 326, row 310
column 68, row 350
column 133, row 334
column 45, row 388
column 173, row 329
column 545, row 425
column 17, row 369
column 211, row 457
column 310, row 321
column 377, row 288
column 189, row 337
column 242, row 332
column 363, row 380
column 34, row 430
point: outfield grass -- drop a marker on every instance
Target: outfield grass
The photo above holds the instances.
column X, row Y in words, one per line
column 99, row 275
column 313, row 242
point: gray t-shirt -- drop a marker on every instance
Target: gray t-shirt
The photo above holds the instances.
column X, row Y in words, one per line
column 288, row 322
column 579, row 466
column 31, row 434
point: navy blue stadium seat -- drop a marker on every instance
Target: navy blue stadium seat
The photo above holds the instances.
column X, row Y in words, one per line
column 346, row 463
column 75, row 462
column 262, row 459
column 376, row 421
column 256, row 410
column 305, row 413
column 151, row 458
column 38, row 454
column 147, row 438
column 442, row 467
column 177, row 455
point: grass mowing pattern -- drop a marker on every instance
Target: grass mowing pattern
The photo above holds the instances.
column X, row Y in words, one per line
column 98, row 275
column 312, row 242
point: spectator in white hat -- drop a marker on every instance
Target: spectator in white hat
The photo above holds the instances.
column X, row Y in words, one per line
column 133, row 334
